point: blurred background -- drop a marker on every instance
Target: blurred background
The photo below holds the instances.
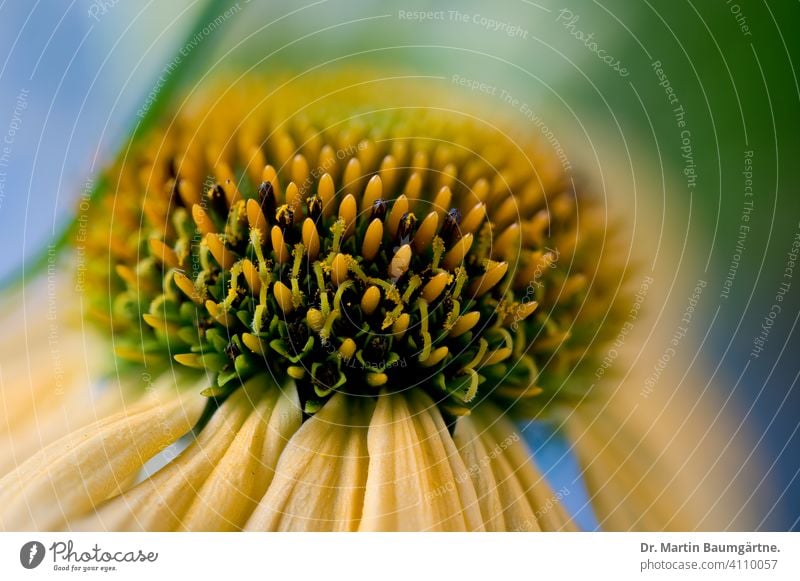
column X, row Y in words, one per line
column 684, row 116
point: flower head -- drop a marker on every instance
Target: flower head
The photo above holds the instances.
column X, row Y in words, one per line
column 363, row 276
column 352, row 236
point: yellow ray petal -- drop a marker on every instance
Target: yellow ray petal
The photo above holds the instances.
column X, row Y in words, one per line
column 475, row 457
column 611, row 486
column 548, row 511
column 83, row 469
column 320, row 478
column 518, row 515
column 160, row 502
column 662, row 460
column 52, row 418
column 416, row 475
column 239, row 481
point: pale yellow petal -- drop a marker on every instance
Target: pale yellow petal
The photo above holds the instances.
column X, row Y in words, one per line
column 518, row 515
column 43, row 350
column 39, row 462
column 476, row 460
column 83, row 470
column 45, row 421
column 625, row 472
column 667, row 461
column 433, row 423
column 320, row 478
column 610, row 485
column 549, row 512
column 48, row 364
column 417, row 479
column 160, row 502
column 241, row 478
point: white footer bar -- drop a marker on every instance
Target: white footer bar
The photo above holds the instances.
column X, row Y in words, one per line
column 410, row 556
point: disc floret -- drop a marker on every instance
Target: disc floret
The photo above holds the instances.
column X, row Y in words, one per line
column 392, row 252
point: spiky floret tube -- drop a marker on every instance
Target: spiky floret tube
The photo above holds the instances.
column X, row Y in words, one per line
column 353, row 235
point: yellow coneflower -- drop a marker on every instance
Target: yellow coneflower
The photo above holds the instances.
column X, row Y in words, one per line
column 343, row 288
